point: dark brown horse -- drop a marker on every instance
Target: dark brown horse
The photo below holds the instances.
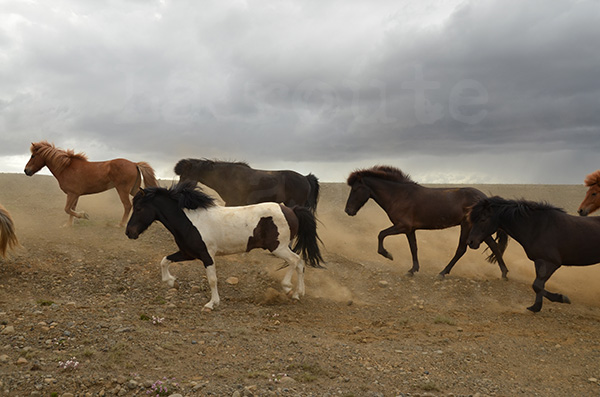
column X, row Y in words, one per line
column 591, row 202
column 8, row 237
column 411, row 207
column 550, row 237
column 77, row 176
column 238, row 184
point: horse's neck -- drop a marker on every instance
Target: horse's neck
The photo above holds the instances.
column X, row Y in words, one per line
column 519, row 230
column 385, row 193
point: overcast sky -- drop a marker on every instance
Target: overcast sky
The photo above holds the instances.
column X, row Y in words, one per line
column 499, row 91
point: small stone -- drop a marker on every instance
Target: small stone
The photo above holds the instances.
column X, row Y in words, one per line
column 593, row 380
column 236, row 394
column 132, row 384
column 22, row 361
column 4, row 358
column 195, row 289
column 8, row 330
column 121, row 379
column 67, row 395
column 384, row 284
column 287, row 380
column 232, row 281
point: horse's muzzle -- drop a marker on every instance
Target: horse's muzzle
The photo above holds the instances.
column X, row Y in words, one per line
column 473, row 245
column 583, row 212
column 350, row 212
column 28, row 172
column 133, row 235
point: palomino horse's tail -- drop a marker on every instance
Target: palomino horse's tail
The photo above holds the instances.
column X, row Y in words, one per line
column 8, row 238
column 502, row 241
column 313, row 196
column 307, row 240
column 148, row 176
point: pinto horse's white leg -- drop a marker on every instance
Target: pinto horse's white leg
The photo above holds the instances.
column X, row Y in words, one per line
column 295, row 264
column 211, row 274
column 166, row 275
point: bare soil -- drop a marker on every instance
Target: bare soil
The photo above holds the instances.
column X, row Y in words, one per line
column 89, row 294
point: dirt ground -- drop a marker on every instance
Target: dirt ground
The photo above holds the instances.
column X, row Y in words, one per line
column 89, row 295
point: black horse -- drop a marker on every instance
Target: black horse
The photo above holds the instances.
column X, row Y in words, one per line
column 203, row 230
column 239, row 184
column 411, row 206
column 551, row 238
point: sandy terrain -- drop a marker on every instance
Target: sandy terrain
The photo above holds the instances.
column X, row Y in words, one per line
column 89, row 294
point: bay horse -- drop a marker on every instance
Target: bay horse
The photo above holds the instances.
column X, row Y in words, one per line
column 77, row 176
column 550, row 237
column 591, row 202
column 239, row 184
column 203, row 230
column 411, row 207
column 8, row 237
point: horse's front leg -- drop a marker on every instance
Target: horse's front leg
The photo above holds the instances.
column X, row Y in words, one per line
column 392, row 230
column 70, row 209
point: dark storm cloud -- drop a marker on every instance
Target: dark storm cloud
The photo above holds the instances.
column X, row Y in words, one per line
column 337, row 83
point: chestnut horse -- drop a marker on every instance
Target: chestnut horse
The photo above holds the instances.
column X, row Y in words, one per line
column 8, row 238
column 77, row 176
column 411, row 206
column 591, row 202
column 550, row 237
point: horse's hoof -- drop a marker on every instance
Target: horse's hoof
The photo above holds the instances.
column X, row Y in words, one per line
column 566, row 299
column 441, row 277
column 206, row 309
column 85, row 216
column 410, row 274
column 504, row 278
column 534, row 309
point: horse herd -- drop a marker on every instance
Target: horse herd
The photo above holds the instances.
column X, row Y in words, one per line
column 274, row 209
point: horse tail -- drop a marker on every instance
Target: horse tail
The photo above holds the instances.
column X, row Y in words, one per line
column 307, row 240
column 8, row 237
column 147, row 174
column 502, row 241
column 313, row 195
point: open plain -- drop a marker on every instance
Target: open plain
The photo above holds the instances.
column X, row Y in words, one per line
column 89, row 295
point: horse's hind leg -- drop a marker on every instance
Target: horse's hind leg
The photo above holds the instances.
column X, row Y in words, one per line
column 412, row 243
column 124, row 196
column 543, row 271
column 296, row 263
column 460, row 250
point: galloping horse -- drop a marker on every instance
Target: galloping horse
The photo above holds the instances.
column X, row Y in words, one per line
column 411, row 206
column 8, row 238
column 550, row 237
column 203, row 230
column 238, row 184
column 77, row 176
column 591, row 202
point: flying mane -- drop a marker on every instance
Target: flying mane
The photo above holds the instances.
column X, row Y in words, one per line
column 187, row 194
column 386, row 172
column 510, row 209
column 592, row 179
column 59, row 157
column 204, row 164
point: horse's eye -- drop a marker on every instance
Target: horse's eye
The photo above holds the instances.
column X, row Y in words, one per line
column 593, row 194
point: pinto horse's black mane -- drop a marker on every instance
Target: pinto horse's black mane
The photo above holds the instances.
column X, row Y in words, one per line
column 187, row 195
column 386, row 172
column 509, row 209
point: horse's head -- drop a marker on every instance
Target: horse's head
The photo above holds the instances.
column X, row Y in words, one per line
column 591, row 202
column 144, row 213
column 484, row 223
column 359, row 195
column 37, row 161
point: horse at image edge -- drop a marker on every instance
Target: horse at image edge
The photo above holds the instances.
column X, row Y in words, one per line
column 8, row 237
column 411, row 207
column 591, row 202
column 203, row 230
column 77, row 176
column 550, row 237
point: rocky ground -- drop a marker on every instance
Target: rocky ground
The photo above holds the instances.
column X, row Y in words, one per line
column 83, row 313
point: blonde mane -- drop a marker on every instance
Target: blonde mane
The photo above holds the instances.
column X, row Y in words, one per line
column 592, row 179
column 59, row 158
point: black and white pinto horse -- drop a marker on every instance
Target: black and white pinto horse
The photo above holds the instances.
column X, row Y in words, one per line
column 203, row 230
